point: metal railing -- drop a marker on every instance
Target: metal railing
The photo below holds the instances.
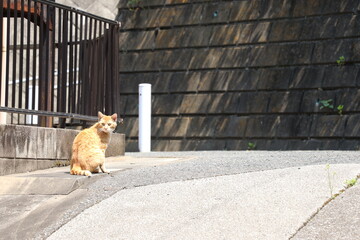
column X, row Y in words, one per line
column 58, row 63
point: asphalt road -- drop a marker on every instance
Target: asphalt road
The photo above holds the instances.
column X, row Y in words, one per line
column 207, row 194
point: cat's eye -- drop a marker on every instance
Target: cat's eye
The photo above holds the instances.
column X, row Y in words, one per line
column 103, row 124
column 109, row 124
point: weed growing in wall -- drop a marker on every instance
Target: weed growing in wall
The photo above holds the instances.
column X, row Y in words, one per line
column 341, row 61
column 329, row 104
column 251, row 146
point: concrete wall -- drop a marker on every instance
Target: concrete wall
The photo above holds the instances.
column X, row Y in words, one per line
column 233, row 72
column 24, row 148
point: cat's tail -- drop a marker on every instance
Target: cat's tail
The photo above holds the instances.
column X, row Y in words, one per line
column 76, row 170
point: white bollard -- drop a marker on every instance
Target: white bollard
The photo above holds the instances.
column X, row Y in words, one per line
column 145, row 117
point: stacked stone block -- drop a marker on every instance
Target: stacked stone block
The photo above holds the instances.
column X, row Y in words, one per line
column 227, row 73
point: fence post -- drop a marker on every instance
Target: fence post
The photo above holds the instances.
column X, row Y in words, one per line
column 145, row 117
column 3, row 56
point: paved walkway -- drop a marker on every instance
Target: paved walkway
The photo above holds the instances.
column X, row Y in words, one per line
column 199, row 195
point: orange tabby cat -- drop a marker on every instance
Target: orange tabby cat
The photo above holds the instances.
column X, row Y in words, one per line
column 88, row 150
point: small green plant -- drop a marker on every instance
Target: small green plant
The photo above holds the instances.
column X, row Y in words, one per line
column 326, row 104
column 330, row 177
column 329, row 104
column 351, row 182
column 340, row 109
column 341, row 61
column 251, row 146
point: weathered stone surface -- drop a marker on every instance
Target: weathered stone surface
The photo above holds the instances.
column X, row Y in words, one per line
column 230, row 127
column 282, row 102
column 309, row 7
column 307, row 77
column 26, row 140
column 160, row 82
column 25, row 165
column 167, row 104
column 46, row 143
column 136, row 40
column 286, row 30
column 7, row 141
column 331, row 51
column 328, row 126
column 250, row 102
column 194, row 103
column 130, row 127
column 349, row 98
column 245, row 56
column 43, row 164
column 215, row 80
column 210, row 144
column 263, row 126
column 353, row 126
column 7, row 166
column 170, row 127
column 271, row 78
column 228, row 11
column 349, row 145
column 340, row 76
column 203, row 126
column 116, row 146
column 244, row 71
column 164, row 82
column 242, row 33
column 64, row 141
column 183, row 81
column 293, row 126
column 130, row 105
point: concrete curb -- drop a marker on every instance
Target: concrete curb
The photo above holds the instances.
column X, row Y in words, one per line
column 58, row 181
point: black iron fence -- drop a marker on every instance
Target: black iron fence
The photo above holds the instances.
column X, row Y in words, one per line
column 58, row 63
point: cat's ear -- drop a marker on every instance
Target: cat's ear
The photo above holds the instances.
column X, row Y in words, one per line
column 100, row 115
column 114, row 117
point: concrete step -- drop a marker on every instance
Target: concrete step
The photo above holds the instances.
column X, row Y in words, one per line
column 58, row 181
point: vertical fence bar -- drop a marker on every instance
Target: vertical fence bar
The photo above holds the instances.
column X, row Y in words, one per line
column 85, row 70
column 27, row 71
column 53, row 40
column 48, row 80
column 76, row 86
column 21, row 68
column 7, row 72
column 13, row 93
column 3, row 24
column 90, row 79
column 100, row 71
column 108, row 69
column 34, row 75
column 71, row 66
column 42, row 64
column 59, row 64
column 64, row 66
column 81, row 80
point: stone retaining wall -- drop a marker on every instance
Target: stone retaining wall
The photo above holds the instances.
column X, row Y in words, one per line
column 24, row 148
column 229, row 73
